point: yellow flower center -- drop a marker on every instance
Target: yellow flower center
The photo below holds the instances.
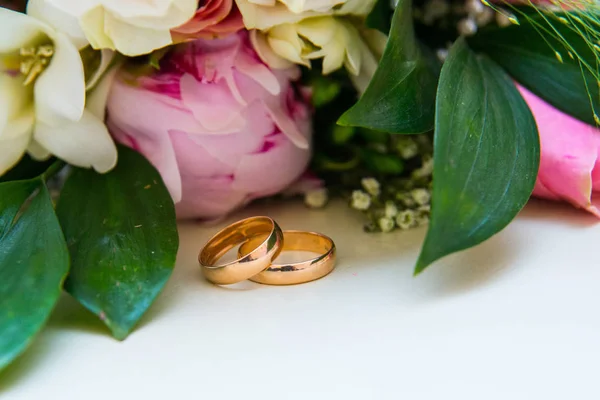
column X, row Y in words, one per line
column 34, row 61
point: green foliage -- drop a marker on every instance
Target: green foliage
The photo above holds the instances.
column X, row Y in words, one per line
column 122, row 237
column 486, row 155
column 401, row 95
column 33, row 263
column 551, row 58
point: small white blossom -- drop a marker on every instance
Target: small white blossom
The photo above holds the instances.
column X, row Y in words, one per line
column 372, row 186
column 406, row 199
column 407, row 148
column 467, row 26
column 421, row 196
column 390, row 209
column 425, row 170
column 426, row 208
column 316, row 198
column 386, row 224
column 406, row 219
column 360, row 200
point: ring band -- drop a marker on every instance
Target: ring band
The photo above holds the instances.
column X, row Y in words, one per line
column 257, row 258
column 295, row 273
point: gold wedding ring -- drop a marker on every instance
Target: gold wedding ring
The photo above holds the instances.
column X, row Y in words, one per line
column 295, row 273
column 257, row 257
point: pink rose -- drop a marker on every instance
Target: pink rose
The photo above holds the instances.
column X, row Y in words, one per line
column 570, row 156
column 214, row 18
column 218, row 124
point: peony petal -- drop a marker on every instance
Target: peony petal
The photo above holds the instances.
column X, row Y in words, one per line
column 85, row 143
column 59, row 20
column 213, row 106
column 158, row 149
column 569, row 152
column 60, row 89
column 260, row 73
column 251, row 176
column 14, row 140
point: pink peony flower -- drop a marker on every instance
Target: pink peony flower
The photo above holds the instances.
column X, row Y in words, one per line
column 218, row 124
column 570, row 156
column 214, row 18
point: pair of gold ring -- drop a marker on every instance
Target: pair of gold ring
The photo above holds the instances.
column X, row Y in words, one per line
column 260, row 241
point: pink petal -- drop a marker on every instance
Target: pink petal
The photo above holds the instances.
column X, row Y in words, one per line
column 569, row 154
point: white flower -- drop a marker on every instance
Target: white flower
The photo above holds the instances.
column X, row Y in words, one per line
column 265, row 14
column 386, row 224
column 42, row 98
column 335, row 40
column 406, row 219
column 299, row 31
column 360, row 200
column 372, row 186
column 317, row 198
column 130, row 27
column 391, row 210
column 421, row 196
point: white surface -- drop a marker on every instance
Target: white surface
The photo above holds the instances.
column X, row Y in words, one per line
column 516, row 318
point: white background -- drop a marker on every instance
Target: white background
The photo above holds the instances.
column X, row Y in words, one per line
column 516, row 318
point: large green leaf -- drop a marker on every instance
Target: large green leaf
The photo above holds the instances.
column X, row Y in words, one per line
column 486, row 155
column 122, row 236
column 401, row 95
column 34, row 261
column 528, row 52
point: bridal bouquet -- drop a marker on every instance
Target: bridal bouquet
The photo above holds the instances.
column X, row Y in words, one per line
column 117, row 117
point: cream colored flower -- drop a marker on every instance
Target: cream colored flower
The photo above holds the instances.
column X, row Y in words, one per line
column 299, row 31
column 130, row 27
column 265, row 14
column 334, row 39
column 42, row 98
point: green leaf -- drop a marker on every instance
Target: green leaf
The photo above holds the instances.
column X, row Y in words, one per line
column 543, row 65
column 486, row 155
column 380, row 17
column 382, row 163
column 122, row 236
column 34, row 261
column 401, row 95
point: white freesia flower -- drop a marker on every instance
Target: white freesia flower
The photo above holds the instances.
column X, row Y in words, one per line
column 299, row 31
column 334, row 39
column 42, row 98
column 130, row 27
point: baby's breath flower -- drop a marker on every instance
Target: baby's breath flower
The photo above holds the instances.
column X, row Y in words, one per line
column 407, row 147
column 360, row 200
column 425, row 170
column 406, row 219
column 372, row 186
column 421, row 196
column 317, row 198
column 406, row 199
column 390, row 209
column 426, row 208
column 386, row 224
